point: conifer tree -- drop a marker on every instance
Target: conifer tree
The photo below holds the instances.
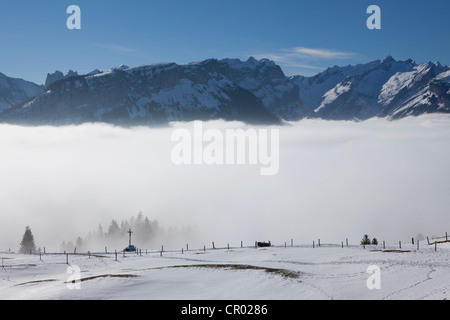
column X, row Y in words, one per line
column 365, row 240
column 27, row 245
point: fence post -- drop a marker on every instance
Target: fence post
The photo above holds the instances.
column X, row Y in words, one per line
column 67, row 258
column 417, row 244
column 241, row 244
column 400, row 244
column 346, row 241
column 318, row 242
column 412, row 241
column 428, row 240
column 435, row 246
column 292, row 242
column 115, row 253
column 313, row 244
column 446, row 237
column 213, row 245
column 384, row 245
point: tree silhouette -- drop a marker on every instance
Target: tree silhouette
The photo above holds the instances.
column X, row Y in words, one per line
column 146, row 233
column 27, row 245
column 365, row 240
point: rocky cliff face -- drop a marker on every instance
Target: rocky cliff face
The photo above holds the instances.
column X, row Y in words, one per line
column 57, row 76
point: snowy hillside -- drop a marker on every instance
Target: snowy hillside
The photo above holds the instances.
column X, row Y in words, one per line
column 286, row 273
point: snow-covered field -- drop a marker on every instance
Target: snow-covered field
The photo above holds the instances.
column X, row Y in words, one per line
column 275, row 273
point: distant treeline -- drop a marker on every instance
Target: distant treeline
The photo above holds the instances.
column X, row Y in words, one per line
column 147, row 234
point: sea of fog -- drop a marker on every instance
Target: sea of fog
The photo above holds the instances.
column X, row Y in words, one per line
column 336, row 180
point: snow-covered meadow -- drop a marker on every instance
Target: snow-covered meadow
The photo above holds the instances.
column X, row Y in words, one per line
column 300, row 272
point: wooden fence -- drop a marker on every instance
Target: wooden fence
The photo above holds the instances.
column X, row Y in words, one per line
column 403, row 246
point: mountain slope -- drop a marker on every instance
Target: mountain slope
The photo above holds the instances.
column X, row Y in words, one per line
column 426, row 89
column 266, row 81
column 15, row 91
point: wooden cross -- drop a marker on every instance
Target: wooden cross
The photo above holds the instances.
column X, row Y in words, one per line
column 130, row 232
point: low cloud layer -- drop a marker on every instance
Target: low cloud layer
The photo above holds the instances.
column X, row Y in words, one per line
column 336, row 180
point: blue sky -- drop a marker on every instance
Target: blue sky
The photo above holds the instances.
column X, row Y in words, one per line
column 304, row 37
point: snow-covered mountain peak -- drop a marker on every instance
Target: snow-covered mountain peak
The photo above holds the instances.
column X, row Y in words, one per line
column 121, row 67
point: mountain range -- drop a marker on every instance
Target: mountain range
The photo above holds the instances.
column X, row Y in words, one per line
column 252, row 91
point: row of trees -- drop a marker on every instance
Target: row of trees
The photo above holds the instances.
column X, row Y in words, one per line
column 146, row 234
column 366, row 240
